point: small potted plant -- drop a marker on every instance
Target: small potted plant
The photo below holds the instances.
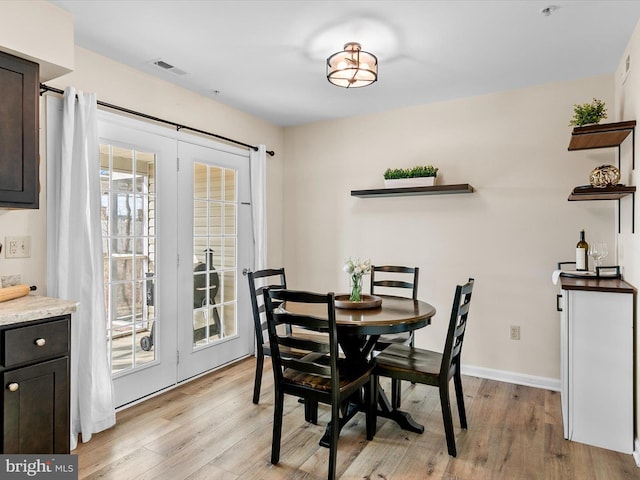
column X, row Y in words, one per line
column 588, row 113
column 419, row 176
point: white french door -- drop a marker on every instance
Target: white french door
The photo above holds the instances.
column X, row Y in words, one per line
column 214, row 232
column 173, row 307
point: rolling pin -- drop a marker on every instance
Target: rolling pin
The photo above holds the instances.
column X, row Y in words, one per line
column 16, row 291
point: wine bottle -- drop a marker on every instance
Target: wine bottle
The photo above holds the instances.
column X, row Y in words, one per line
column 582, row 249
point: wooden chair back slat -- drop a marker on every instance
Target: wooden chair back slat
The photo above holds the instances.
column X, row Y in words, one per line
column 293, row 342
column 390, row 279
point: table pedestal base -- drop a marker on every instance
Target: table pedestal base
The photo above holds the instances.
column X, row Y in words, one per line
column 403, row 419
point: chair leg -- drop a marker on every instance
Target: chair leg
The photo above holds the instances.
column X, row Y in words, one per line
column 278, row 408
column 396, row 392
column 447, row 419
column 372, row 391
column 457, row 381
column 412, row 343
column 258, row 380
column 311, row 411
column 333, row 446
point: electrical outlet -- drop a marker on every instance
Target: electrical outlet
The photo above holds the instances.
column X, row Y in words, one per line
column 514, row 332
column 17, row 247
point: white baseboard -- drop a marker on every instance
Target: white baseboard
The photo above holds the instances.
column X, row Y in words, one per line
column 513, row 377
column 636, row 452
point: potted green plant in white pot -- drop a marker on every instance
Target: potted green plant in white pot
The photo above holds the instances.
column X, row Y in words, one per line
column 419, row 176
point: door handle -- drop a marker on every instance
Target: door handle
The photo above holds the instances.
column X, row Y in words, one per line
column 245, row 271
column 558, row 297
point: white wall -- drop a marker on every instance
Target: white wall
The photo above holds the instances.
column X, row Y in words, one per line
column 512, row 147
column 627, row 102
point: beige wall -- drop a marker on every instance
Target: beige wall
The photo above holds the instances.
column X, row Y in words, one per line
column 627, row 102
column 512, row 147
column 120, row 85
column 24, row 25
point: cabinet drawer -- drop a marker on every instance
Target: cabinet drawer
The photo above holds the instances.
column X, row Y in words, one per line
column 30, row 343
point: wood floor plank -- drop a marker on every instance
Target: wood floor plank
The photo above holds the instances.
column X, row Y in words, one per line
column 209, row 429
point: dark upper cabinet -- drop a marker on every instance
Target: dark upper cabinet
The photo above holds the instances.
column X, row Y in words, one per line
column 19, row 98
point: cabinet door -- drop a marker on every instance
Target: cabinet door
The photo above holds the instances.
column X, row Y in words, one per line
column 601, row 369
column 19, row 184
column 36, row 413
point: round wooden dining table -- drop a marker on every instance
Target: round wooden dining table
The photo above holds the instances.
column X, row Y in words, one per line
column 359, row 330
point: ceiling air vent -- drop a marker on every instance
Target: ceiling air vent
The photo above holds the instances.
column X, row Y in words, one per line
column 168, row 67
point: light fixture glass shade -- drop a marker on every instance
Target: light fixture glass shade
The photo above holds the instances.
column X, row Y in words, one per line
column 352, row 67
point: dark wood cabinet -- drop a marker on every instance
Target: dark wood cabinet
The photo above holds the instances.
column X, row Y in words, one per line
column 19, row 182
column 35, row 380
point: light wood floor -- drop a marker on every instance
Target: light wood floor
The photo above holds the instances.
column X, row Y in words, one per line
column 208, row 429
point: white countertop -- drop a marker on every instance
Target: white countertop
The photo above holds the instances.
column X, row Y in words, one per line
column 34, row 307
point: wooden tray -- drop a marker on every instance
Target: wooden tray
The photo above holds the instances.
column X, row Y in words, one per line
column 368, row 301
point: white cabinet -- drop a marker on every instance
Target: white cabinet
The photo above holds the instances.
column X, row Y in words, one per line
column 597, row 362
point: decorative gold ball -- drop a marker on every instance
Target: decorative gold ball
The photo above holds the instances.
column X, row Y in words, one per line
column 604, row 176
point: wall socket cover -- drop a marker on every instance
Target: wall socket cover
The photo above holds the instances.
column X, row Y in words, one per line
column 514, row 332
column 17, row 247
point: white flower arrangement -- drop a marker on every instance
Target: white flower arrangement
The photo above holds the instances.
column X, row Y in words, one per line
column 356, row 269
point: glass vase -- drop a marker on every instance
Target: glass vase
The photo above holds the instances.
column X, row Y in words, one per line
column 356, row 288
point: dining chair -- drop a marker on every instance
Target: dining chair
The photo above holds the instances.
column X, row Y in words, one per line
column 321, row 375
column 258, row 282
column 405, row 362
column 395, row 277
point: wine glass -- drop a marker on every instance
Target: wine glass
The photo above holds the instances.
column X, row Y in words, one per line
column 598, row 251
column 604, row 251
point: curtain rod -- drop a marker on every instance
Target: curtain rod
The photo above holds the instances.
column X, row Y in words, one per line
column 46, row 88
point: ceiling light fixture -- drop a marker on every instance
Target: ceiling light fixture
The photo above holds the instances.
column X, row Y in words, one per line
column 352, row 67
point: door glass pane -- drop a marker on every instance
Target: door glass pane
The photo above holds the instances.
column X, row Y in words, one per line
column 230, row 189
column 214, row 275
column 128, row 229
column 215, row 183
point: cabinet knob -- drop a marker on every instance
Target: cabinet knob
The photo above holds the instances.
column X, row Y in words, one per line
column 13, row 387
column 41, row 342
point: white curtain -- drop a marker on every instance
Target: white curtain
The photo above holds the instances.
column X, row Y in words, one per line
column 258, row 167
column 74, row 258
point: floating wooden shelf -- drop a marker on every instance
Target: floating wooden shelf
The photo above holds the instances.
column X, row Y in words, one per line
column 604, row 136
column 607, row 193
column 600, row 136
column 405, row 191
